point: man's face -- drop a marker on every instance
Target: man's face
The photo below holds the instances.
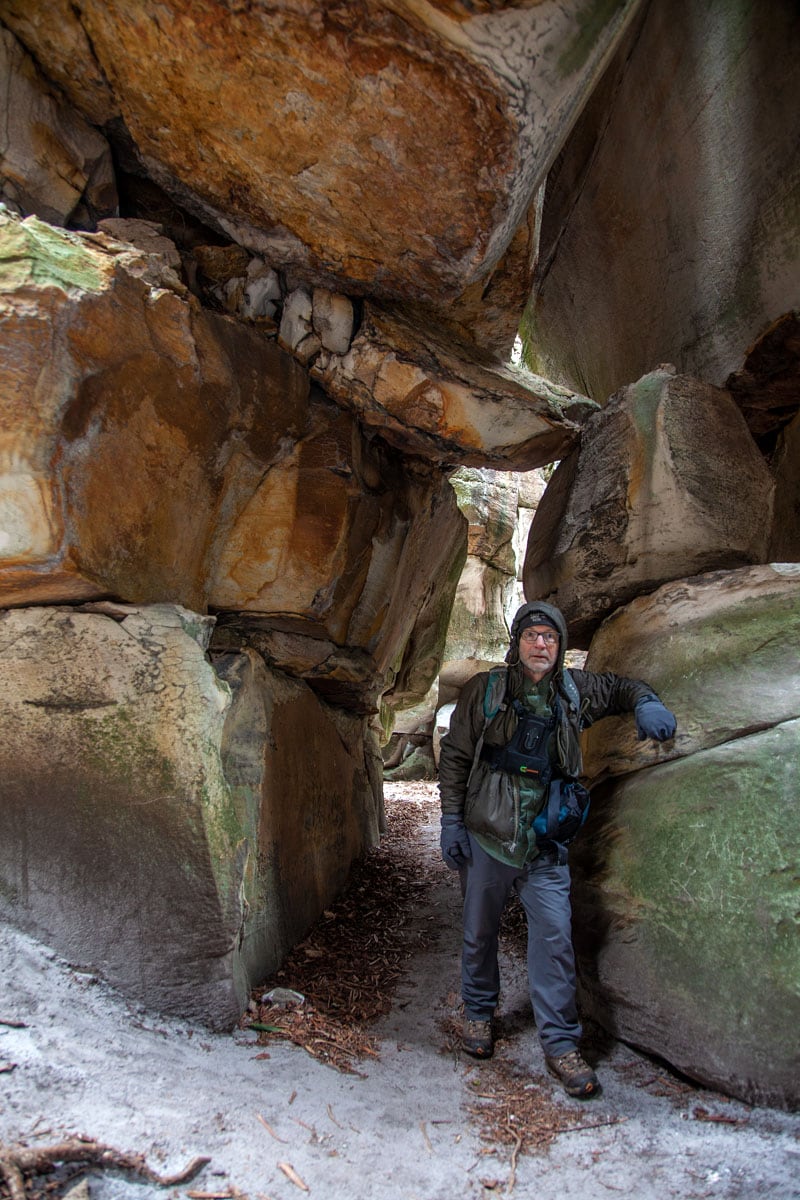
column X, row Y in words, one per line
column 538, row 650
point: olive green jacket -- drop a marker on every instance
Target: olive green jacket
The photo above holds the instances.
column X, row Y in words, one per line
column 487, row 799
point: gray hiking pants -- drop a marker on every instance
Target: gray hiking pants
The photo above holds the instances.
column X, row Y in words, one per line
column 543, row 889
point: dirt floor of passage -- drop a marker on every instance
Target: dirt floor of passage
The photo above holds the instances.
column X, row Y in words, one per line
column 356, row 1088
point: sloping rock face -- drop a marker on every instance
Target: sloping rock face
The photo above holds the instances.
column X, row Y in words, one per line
column 330, row 150
column 670, row 227
column 52, row 162
column 685, row 890
column 143, row 828
column 667, row 483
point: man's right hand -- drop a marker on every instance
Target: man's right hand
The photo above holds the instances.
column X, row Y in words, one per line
column 454, row 841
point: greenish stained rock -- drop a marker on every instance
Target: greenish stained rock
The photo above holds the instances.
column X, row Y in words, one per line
column 146, row 826
column 721, row 649
column 687, row 906
column 34, row 253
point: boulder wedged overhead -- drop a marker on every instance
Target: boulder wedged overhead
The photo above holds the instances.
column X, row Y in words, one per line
column 397, row 146
column 667, row 483
column 441, row 399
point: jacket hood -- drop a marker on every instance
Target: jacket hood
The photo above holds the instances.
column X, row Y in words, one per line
column 550, row 614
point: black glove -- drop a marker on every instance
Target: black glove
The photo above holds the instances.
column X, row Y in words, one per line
column 454, row 841
column 654, row 720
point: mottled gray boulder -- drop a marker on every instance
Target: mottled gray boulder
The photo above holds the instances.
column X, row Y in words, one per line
column 721, row 650
column 667, row 483
column 145, row 832
column 669, row 231
column 685, row 881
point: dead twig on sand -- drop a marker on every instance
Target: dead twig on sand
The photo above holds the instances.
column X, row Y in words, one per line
column 291, row 1174
column 18, row 1161
column 270, row 1130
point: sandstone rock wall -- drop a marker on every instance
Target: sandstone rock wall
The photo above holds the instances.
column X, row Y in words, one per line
column 685, row 883
column 670, row 225
column 144, row 829
column 330, row 150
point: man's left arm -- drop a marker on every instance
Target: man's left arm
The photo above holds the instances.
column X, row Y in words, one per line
column 611, row 695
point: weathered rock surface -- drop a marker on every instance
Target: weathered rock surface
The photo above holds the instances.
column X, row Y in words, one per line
column 685, row 883
column 53, row 163
column 723, row 652
column 667, row 483
column 478, row 633
column 132, row 421
column 441, row 400
column 685, row 903
column 767, row 385
column 155, row 451
column 679, row 245
column 336, row 102
column 144, row 829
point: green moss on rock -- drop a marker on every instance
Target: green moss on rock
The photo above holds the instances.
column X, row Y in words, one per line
column 32, row 252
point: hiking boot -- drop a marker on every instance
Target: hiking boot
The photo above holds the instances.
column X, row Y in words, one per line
column 477, row 1038
column 577, row 1076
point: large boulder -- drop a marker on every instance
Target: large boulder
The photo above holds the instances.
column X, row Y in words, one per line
column 145, row 831
column 132, row 421
column 667, row 483
column 670, row 227
column 155, row 451
column 395, row 146
column 693, row 640
column 685, row 888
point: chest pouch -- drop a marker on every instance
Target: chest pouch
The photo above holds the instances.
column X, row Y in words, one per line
column 527, row 753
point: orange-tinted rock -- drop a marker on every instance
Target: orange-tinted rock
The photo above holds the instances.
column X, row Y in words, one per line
column 52, row 162
column 439, row 399
column 397, row 146
column 154, row 451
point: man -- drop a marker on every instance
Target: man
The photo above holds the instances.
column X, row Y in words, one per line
column 508, row 779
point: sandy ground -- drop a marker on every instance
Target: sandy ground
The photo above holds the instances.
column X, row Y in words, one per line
column 87, row 1062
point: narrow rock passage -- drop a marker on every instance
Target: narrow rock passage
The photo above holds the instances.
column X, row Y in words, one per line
column 417, row 1122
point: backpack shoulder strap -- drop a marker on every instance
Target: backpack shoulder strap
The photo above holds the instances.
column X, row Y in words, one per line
column 495, row 692
column 571, row 690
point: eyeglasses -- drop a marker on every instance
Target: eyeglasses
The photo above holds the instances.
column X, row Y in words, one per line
column 548, row 637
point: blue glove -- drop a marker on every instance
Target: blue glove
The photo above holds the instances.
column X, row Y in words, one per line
column 654, row 720
column 454, row 841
